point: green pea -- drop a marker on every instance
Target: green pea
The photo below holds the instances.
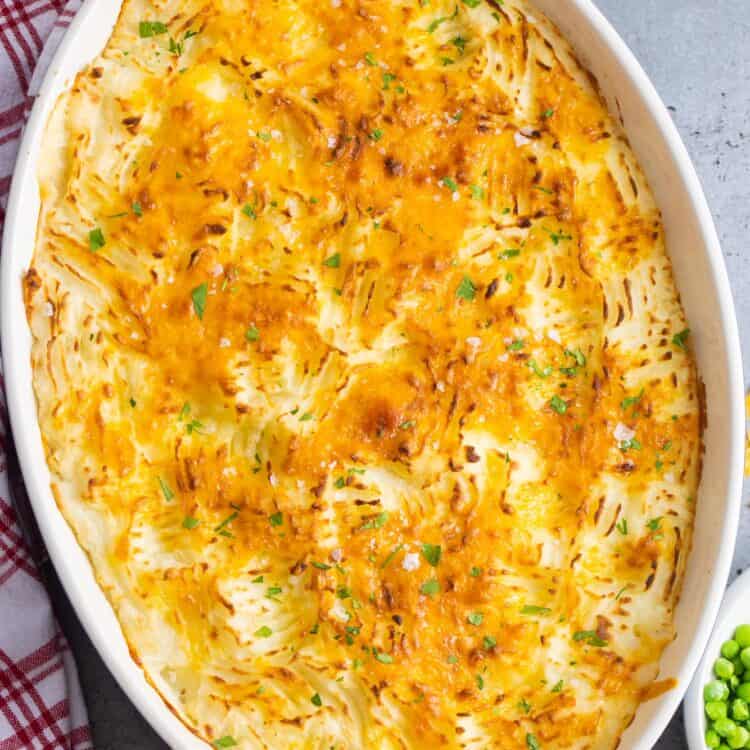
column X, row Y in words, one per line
column 745, row 657
column 739, row 667
column 712, row 739
column 738, row 738
column 742, row 636
column 730, row 649
column 743, row 691
column 716, row 710
column 740, row 710
column 723, row 668
column 716, row 690
column 734, row 681
column 724, row 727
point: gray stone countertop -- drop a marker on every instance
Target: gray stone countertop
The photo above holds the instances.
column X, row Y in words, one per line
column 697, row 54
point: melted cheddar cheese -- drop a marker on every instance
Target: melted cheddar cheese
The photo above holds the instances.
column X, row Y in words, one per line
column 362, row 375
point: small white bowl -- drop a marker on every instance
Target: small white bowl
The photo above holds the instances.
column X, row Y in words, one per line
column 735, row 611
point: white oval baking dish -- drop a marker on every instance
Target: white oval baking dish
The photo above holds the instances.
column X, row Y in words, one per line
column 701, row 277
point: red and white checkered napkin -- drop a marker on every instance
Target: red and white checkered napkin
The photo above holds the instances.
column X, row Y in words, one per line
column 41, row 706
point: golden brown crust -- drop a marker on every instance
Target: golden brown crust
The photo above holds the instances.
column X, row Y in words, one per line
column 362, row 375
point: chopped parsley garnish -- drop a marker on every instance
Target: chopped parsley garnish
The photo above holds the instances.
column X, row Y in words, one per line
column 472, row 3
column 558, row 687
column 511, row 252
column 538, row 371
column 225, row 741
column 547, row 114
column 590, row 637
column 376, row 135
column 475, row 572
column 276, row 519
column 264, row 632
column 531, row 609
column 622, row 526
column 489, row 642
column 376, row 523
column 151, row 28
column 466, row 289
column 516, row 345
column 477, row 192
column 432, row 553
column 680, row 339
column 532, row 743
column 343, row 592
column 252, row 334
column 137, row 208
column 168, row 494
column 430, row 588
column 370, row 59
column 578, row 356
column 96, row 240
column 316, row 700
column 452, row 659
column 257, row 579
column 447, row 60
column 333, row 261
column 391, row 556
column 388, row 78
column 273, row 591
column 655, row 523
column 631, row 401
column 306, row 417
column 407, row 425
column 475, row 618
column 459, row 43
column 340, row 483
column 383, row 658
column 189, row 522
column 222, row 527
column 524, row 705
column 450, row 183
column 626, row 445
column 479, row 679
column 265, row 137
column 199, row 296
column 320, row 565
column 249, row 211
column 559, row 236
column 558, row 405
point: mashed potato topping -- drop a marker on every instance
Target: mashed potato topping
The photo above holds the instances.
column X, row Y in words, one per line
column 362, row 375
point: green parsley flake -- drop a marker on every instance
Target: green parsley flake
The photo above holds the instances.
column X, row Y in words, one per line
column 622, row 526
column 333, row 261
column 475, row 618
column 96, row 240
column 590, row 637
column 370, row 59
column 489, row 642
column 306, row 417
column 475, row 572
column 631, row 401
column 276, row 519
column 225, row 741
column 263, row 632
column 477, row 192
column 472, row 3
column 320, row 565
column 199, row 296
column 168, row 494
column 450, row 183
column 558, row 405
column 430, row 588
column 479, row 679
column 189, row 522
column 383, row 658
column 532, row 743
column 432, row 553
column 531, row 609
column 466, row 289
column 377, row 522
column 252, row 334
column 515, row 346
column 407, row 425
column 680, row 339
column 388, row 78
column 137, row 209
column 151, row 28
column 558, row 687
column 249, row 211
column 316, row 700
column 655, row 523
column 376, row 135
